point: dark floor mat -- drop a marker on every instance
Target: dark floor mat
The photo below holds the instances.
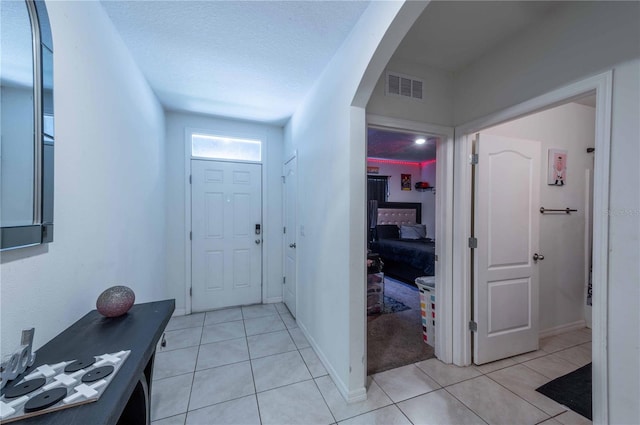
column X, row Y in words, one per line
column 572, row 390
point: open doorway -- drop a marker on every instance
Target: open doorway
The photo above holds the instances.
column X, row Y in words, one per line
column 567, row 133
column 428, row 169
column 531, row 214
column 553, row 292
column 401, row 172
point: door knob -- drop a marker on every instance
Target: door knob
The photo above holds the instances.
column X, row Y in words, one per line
column 537, row 257
column 292, row 245
column 257, row 241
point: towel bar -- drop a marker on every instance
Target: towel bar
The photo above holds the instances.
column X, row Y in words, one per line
column 566, row 210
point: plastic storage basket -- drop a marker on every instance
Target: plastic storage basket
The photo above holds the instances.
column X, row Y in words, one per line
column 427, row 287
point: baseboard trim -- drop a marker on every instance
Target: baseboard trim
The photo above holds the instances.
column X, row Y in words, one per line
column 182, row 311
column 359, row 394
column 557, row 330
column 273, row 300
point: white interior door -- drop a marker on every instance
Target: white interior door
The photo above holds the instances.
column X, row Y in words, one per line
column 226, row 244
column 507, row 190
column 290, row 247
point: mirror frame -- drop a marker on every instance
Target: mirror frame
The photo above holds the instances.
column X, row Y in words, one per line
column 41, row 231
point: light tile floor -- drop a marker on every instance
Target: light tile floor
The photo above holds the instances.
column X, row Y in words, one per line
column 253, row 365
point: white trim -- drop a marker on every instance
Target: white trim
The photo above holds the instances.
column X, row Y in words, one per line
column 178, row 312
column 272, row 300
column 462, row 259
column 602, row 85
column 444, row 247
column 187, row 219
column 288, row 159
column 600, row 277
column 399, row 123
column 444, row 229
column 567, row 327
column 264, row 136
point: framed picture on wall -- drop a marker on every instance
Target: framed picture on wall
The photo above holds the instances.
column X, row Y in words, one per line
column 405, row 181
column 557, row 171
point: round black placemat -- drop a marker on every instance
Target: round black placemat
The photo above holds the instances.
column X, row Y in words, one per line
column 45, row 399
column 24, row 388
column 80, row 364
column 97, row 374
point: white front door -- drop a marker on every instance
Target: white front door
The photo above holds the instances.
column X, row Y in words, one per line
column 290, row 246
column 507, row 190
column 226, row 212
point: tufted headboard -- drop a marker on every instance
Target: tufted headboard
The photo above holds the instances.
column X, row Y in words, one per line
column 399, row 213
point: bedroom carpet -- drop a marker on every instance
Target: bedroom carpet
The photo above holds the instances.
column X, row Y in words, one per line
column 395, row 339
column 391, row 305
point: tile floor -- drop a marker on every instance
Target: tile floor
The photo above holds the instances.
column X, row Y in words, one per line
column 252, row 365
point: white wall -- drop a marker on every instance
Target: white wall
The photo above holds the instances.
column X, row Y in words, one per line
column 272, row 137
column 578, row 40
column 16, row 156
column 435, row 108
column 581, row 40
column 330, row 136
column 562, row 237
column 109, row 185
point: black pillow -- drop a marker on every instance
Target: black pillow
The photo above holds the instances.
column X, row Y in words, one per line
column 388, row 231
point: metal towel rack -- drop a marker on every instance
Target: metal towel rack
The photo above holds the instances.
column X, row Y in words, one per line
column 566, row 210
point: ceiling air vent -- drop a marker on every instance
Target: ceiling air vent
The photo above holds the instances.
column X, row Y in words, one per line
column 404, row 86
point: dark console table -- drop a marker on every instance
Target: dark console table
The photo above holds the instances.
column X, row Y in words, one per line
column 127, row 398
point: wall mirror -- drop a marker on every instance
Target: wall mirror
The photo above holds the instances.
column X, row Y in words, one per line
column 26, row 124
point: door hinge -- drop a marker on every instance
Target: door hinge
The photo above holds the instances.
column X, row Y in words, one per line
column 284, row 280
column 473, row 326
column 284, row 179
column 473, row 159
column 190, row 236
column 284, row 230
column 191, row 292
column 189, row 178
column 436, row 257
column 473, row 242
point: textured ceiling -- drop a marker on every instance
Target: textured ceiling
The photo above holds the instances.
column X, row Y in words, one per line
column 252, row 60
column 397, row 145
column 256, row 60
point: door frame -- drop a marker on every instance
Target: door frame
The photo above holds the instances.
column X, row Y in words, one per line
column 258, row 135
column 444, row 230
column 288, row 159
column 601, row 85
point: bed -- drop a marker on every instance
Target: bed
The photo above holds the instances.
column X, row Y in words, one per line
column 401, row 241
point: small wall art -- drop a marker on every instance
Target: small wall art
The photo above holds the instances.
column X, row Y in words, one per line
column 405, row 181
column 557, row 171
